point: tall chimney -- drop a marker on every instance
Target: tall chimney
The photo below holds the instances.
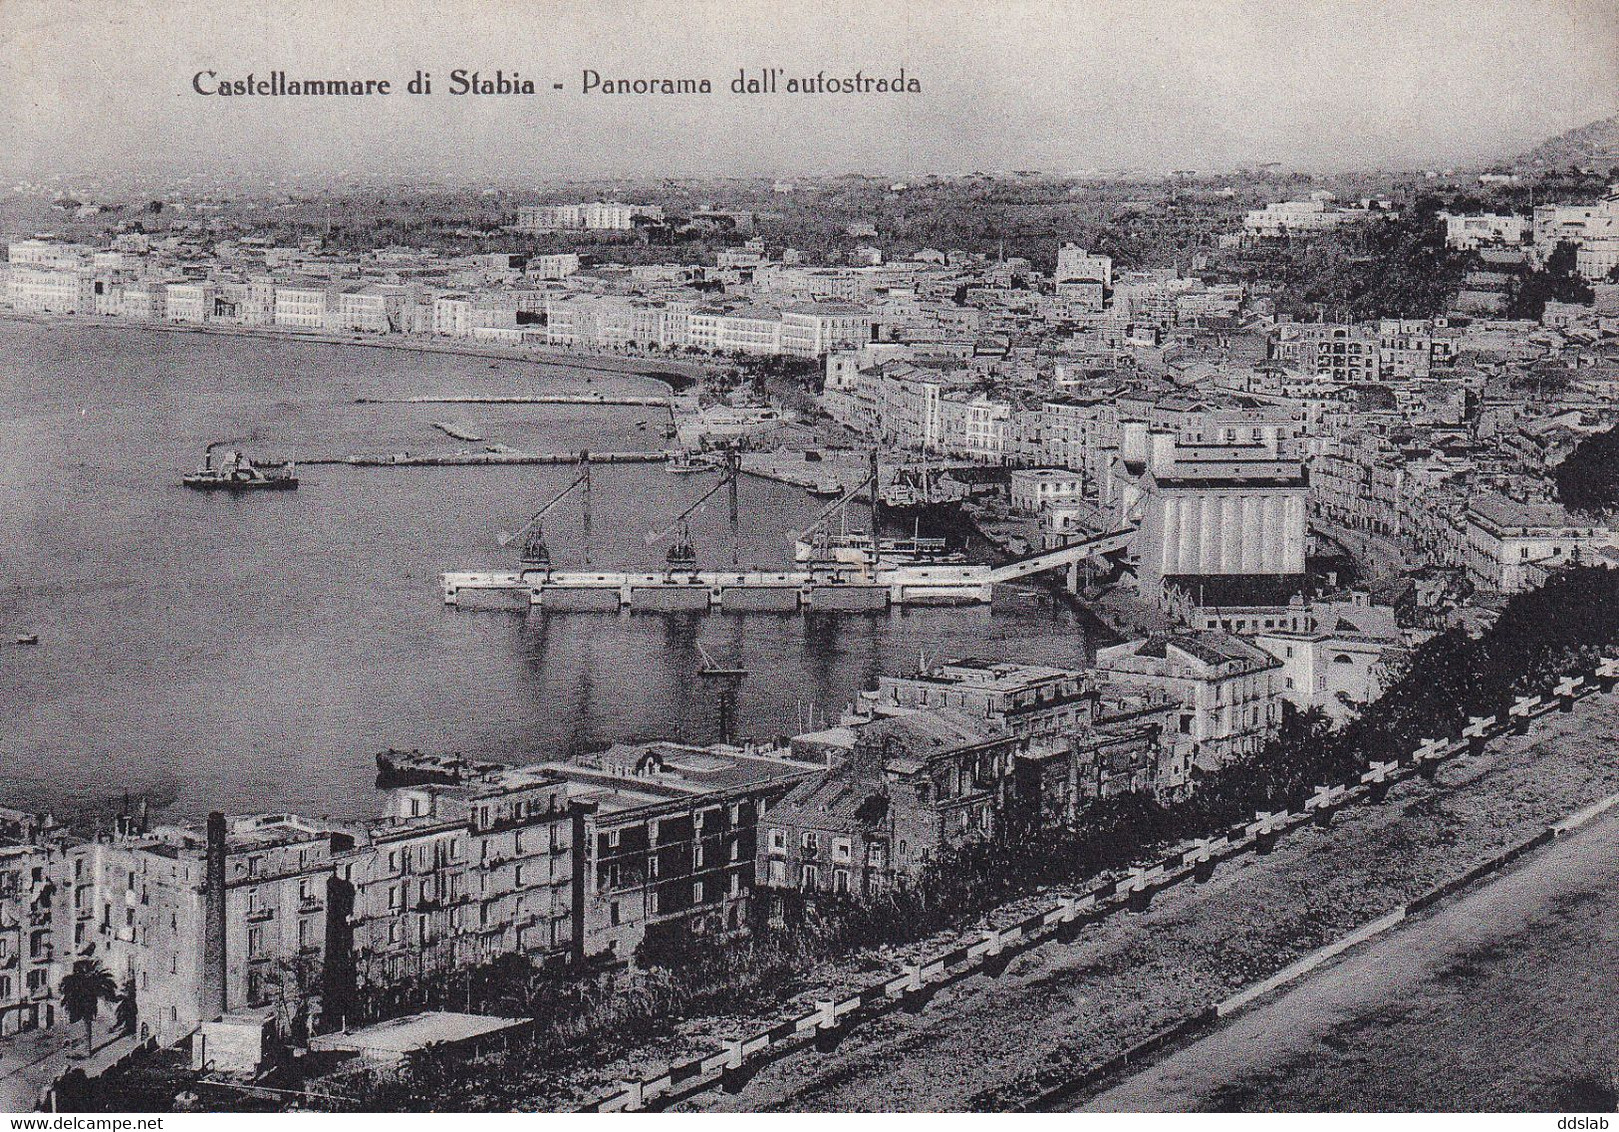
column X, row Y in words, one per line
column 213, row 927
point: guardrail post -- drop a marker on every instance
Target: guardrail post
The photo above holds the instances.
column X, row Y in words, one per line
column 996, row 957
column 1519, row 711
column 1072, row 917
column 1321, row 805
column 1475, row 731
column 634, row 1097
column 1203, row 861
column 738, row 1071
column 1427, row 757
column 1607, row 675
column 1567, row 692
column 827, row 1031
column 1140, row 894
column 1377, row 781
column 1265, row 836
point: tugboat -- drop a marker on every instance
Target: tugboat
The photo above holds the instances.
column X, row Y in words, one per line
column 235, row 472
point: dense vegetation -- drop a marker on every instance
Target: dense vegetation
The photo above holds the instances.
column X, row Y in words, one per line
column 1385, row 267
column 1588, row 480
column 1556, row 282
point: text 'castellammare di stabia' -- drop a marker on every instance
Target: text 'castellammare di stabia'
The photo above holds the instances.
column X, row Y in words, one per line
column 501, row 82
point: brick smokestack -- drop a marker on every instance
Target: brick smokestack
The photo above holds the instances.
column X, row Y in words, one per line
column 213, row 925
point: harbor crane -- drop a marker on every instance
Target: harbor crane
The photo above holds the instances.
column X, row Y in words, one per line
column 535, row 552
column 683, row 553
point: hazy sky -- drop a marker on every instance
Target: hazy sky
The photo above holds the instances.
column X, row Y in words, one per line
column 1059, row 85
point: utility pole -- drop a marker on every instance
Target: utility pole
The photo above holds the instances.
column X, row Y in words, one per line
column 584, row 496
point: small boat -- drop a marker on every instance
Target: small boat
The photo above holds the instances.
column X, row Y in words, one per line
column 28, row 638
column 235, row 472
column 825, row 489
column 685, row 464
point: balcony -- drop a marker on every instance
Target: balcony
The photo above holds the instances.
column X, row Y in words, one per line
column 259, row 915
column 311, row 904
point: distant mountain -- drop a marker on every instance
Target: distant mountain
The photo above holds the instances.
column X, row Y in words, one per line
column 1594, row 145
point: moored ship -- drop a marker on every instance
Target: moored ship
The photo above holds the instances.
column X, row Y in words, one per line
column 235, row 472
column 857, row 548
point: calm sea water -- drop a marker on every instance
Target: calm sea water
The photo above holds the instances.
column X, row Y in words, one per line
column 255, row 652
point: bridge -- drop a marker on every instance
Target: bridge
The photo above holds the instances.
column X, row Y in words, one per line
column 1092, row 546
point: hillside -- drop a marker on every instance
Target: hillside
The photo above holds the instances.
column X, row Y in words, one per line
column 1595, row 144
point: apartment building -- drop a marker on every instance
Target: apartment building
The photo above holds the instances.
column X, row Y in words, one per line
column 301, row 306
column 205, row 924
column 1229, row 690
column 668, row 839
column 1075, row 264
column 34, row 955
column 1466, row 232
column 1349, row 353
column 189, row 302
column 914, row 788
column 814, row 330
column 457, row 875
column 1509, row 542
column 46, row 289
column 1034, row 702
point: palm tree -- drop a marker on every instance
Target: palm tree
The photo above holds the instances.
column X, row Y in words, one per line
column 83, row 991
column 128, row 1010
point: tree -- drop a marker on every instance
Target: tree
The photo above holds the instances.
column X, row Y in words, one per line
column 1558, row 282
column 83, row 991
column 128, row 1010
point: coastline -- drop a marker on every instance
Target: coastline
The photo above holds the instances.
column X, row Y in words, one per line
column 646, row 368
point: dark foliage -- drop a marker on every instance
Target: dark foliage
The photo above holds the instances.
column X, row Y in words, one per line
column 1588, row 480
column 1556, row 282
column 1384, row 267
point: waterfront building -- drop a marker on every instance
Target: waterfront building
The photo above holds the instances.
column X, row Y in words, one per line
column 974, row 426
column 1032, row 488
column 374, row 308
column 35, row 914
column 668, row 839
column 1211, row 511
column 914, row 788
column 301, row 305
column 1031, row 701
column 45, row 289
column 457, row 875
column 189, row 302
column 452, row 315
column 206, row 924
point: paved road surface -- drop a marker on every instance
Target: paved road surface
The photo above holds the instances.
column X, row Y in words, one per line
column 1506, row 998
